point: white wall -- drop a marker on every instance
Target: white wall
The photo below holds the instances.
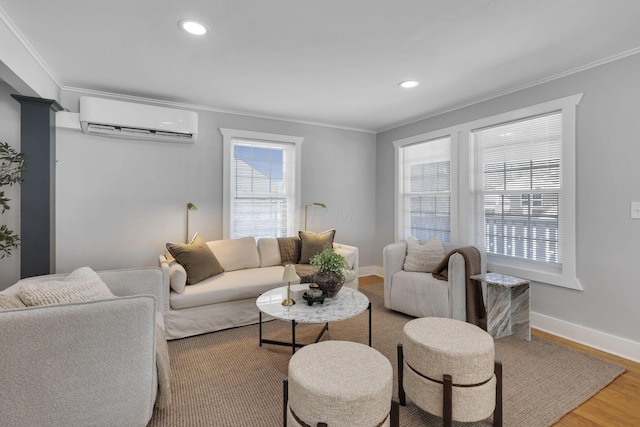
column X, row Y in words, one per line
column 120, row 201
column 19, row 68
column 608, row 240
column 10, row 133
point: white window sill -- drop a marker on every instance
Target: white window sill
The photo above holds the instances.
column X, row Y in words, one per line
column 551, row 274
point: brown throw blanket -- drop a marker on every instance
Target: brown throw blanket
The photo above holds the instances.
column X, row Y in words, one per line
column 476, row 312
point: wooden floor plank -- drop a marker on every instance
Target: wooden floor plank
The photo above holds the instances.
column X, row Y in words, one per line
column 617, row 405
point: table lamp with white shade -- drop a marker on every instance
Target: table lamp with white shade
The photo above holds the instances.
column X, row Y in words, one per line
column 289, row 276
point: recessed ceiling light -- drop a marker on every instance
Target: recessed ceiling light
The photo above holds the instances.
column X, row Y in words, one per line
column 408, row 84
column 193, row 27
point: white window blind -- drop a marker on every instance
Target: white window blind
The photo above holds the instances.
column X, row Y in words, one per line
column 262, row 189
column 426, row 189
column 516, row 182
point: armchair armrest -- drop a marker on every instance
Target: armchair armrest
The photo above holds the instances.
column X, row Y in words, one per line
column 392, row 261
column 125, row 282
column 139, row 281
column 458, row 279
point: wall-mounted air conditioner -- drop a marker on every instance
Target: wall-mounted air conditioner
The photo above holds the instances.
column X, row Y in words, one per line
column 118, row 119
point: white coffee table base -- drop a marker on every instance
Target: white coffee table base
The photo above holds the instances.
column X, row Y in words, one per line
column 348, row 303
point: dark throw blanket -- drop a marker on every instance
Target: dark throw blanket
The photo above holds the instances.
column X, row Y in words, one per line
column 476, row 312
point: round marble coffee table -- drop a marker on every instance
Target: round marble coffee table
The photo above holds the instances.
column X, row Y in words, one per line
column 346, row 304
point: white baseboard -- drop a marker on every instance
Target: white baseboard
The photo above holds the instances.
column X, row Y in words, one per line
column 369, row 271
column 603, row 341
column 590, row 337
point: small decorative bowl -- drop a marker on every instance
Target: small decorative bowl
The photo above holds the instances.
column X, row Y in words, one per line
column 314, row 292
column 310, row 299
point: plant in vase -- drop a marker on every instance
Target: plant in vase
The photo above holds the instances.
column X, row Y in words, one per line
column 11, row 166
column 329, row 271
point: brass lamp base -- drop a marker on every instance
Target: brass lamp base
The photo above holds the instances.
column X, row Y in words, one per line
column 288, row 302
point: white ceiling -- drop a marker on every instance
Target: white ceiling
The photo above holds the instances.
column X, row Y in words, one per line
column 334, row 62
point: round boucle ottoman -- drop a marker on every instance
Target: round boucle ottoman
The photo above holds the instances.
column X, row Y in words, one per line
column 446, row 367
column 339, row 383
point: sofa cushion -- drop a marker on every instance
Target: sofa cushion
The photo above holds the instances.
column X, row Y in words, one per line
column 314, row 243
column 423, row 256
column 81, row 285
column 236, row 254
column 420, row 294
column 229, row 286
column 289, row 249
column 269, row 252
column 196, row 258
column 8, row 302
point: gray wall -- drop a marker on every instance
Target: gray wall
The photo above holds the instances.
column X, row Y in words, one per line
column 119, row 201
column 608, row 151
column 10, row 133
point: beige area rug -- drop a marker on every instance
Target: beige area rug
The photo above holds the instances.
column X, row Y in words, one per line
column 224, row 379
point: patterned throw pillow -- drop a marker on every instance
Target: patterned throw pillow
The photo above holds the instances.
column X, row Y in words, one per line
column 81, row 285
column 423, row 256
column 289, row 249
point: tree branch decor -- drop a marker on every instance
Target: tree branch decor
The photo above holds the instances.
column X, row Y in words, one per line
column 11, row 166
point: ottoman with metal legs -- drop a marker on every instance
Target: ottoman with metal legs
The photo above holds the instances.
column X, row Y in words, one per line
column 339, row 384
column 448, row 368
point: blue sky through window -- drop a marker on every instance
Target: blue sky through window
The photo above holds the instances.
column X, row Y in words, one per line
column 268, row 161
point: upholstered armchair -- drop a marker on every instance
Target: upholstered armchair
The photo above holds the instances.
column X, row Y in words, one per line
column 420, row 294
column 84, row 363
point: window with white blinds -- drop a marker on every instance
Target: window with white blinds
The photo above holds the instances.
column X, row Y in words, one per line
column 426, row 190
column 516, row 182
column 262, row 189
column 504, row 182
column 261, row 184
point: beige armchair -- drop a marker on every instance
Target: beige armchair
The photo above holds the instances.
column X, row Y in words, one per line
column 87, row 363
column 420, row 294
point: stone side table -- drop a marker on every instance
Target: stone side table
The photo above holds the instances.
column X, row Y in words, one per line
column 507, row 305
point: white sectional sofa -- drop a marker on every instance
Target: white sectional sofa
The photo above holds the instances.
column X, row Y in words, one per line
column 228, row 299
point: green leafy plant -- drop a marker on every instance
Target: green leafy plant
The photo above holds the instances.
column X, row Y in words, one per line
column 329, row 261
column 11, row 166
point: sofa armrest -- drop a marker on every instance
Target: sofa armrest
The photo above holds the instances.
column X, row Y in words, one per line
column 78, row 364
column 355, row 253
column 392, row 261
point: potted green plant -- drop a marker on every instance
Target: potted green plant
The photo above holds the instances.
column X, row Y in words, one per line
column 329, row 271
column 11, row 166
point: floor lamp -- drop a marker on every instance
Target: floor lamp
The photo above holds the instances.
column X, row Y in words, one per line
column 317, row 205
column 190, row 207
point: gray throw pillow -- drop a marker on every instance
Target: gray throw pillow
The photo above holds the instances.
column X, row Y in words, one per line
column 314, row 243
column 196, row 258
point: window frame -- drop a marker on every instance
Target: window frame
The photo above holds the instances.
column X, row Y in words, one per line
column 563, row 275
column 228, row 137
column 425, row 138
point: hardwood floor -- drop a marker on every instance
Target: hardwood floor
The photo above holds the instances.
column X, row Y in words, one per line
column 617, row 405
